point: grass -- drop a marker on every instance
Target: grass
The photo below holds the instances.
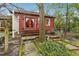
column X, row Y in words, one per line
column 66, row 42
column 76, row 43
column 73, row 34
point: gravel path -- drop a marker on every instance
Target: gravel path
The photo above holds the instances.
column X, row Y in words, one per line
column 30, row 49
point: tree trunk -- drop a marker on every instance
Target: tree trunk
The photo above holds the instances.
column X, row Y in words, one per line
column 66, row 25
column 41, row 22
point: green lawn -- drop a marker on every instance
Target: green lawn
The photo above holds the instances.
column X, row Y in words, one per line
column 76, row 43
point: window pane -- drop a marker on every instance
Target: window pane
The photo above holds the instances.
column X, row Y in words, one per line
column 27, row 22
column 47, row 22
column 27, row 19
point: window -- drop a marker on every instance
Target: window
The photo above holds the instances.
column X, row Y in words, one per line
column 27, row 22
column 27, row 19
column 38, row 20
column 47, row 22
column 32, row 22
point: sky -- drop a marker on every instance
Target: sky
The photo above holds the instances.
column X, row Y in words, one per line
column 27, row 6
column 31, row 7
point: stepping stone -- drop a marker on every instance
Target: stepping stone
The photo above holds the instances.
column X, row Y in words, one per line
column 72, row 47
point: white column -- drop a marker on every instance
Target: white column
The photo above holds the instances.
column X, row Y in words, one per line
column 13, row 24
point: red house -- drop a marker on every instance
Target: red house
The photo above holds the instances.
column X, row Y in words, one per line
column 28, row 21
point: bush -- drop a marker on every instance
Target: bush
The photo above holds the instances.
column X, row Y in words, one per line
column 52, row 48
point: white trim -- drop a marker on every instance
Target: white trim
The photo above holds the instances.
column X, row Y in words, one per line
column 38, row 19
column 33, row 19
column 49, row 22
column 15, row 24
column 27, row 18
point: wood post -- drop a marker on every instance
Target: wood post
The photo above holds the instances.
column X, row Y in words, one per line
column 21, row 47
column 6, row 35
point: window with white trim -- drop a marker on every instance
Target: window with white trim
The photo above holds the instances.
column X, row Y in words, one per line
column 31, row 22
column 47, row 21
column 27, row 21
column 38, row 20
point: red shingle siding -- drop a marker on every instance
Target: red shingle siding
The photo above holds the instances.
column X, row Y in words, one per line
column 52, row 24
column 21, row 23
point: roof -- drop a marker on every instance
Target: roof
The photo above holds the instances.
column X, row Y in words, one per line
column 30, row 12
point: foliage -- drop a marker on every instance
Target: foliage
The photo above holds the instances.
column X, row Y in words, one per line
column 71, row 21
column 58, row 20
column 52, row 48
column 76, row 5
column 22, row 50
column 56, row 24
column 75, row 43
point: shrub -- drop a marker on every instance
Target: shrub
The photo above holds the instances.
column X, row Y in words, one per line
column 52, row 48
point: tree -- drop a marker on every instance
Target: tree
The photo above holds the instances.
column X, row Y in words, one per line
column 76, row 6
column 67, row 9
column 58, row 20
column 76, row 18
column 41, row 22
